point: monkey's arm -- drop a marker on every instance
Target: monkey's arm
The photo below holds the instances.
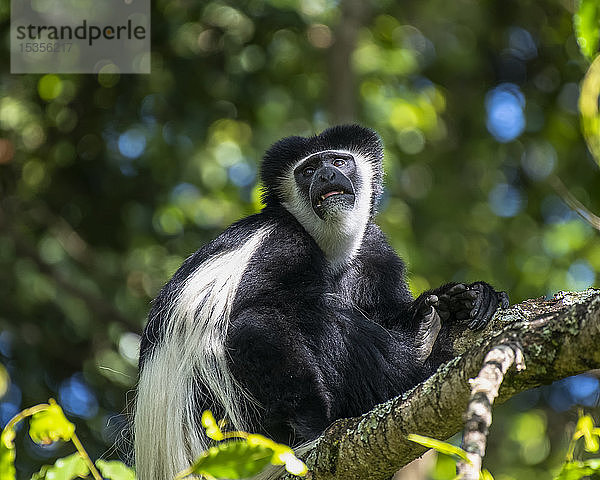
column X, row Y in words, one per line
column 379, row 288
column 309, row 367
column 273, row 364
column 387, row 300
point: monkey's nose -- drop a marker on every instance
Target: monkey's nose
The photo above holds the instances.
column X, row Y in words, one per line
column 327, row 174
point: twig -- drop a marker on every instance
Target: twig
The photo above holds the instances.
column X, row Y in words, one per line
column 573, row 203
column 478, row 417
column 28, row 412
column 86, row 458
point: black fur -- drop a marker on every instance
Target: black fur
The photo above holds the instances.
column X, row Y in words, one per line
column 310, row 343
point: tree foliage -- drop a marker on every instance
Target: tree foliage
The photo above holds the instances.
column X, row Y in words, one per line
column 107, row 182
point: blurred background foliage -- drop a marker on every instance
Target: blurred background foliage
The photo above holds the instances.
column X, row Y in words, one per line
column 107, row 182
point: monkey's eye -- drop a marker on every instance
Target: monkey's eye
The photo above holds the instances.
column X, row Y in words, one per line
column 339, row 162
column 308, row 171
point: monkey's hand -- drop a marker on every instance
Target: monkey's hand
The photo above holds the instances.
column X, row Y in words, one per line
column 474, row 304
column 429, row 324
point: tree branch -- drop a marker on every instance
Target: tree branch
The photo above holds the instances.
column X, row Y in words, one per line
column 478, row 418
column 558, row 337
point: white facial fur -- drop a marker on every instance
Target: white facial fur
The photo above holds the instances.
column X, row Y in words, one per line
column 340, row 236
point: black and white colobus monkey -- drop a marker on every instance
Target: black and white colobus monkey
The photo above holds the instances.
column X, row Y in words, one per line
column 293, row 317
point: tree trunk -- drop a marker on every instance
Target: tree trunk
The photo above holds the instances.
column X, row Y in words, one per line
column 342, row 83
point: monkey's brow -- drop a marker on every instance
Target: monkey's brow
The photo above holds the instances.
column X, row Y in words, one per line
column 334, row 154
column 327, row 154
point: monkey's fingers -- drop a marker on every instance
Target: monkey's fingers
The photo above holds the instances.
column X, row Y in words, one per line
column 504, row 301
column 458, row 301
column 455, row 289
column 485, row 305
column 432, row 300
column 463, row 315
column 483, row 319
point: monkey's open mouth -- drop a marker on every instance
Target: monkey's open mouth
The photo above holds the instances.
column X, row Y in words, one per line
column 325, row 196
column 333, row 197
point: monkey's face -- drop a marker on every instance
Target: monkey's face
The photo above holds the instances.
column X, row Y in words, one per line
column 325, row 179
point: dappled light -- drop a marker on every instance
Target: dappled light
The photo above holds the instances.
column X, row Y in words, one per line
column 109, row 181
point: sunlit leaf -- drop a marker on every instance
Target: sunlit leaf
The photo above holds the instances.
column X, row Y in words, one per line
column 233, row 460
column 594, row 464
column 588, row 107
column 587, row 27
column 4, row 376
column 66, row 468
column 257, row 439
column 485, row 475
column 212, row 427
column 282, row 454
column 7, row 455
column 293, row 464
column 577, row 470
column 439, row 446
column 50, row 425
column 585, row 424
column 115, row 470
column 585, row 428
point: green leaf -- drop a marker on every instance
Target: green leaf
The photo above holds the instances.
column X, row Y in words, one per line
column 115, row 470
column 258, row 451
column 439, row 446
column 282, row 454
column 577, row 470
column 66, row 468
column 485, row 475
column 233, row 460
column 585, row 424
column 50, row 425
column 293, row 464
column 7, row 455
column 278, row 449
column 212, row 427
column 588, row 107
column 585, row 428
column 587, row 27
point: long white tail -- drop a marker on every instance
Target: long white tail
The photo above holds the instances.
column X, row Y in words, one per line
column 167, row 433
